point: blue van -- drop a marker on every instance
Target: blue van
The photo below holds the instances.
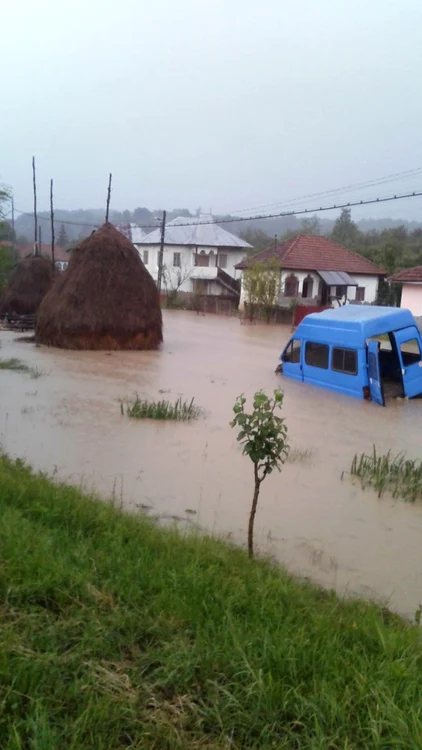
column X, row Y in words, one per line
column 361, row 350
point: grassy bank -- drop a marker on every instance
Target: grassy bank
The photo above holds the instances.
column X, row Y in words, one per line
column 115, row 634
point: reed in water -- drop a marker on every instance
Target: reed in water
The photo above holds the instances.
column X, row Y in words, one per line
column 180, row 410
column 398, row 474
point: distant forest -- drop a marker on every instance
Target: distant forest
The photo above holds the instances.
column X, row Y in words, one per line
column 79, row 223
column 389, row 243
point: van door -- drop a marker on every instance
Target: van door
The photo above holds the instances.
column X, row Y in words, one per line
column 375, row 384
column 409, row 352
column 292, row 359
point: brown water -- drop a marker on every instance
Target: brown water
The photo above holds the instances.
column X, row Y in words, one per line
column 69, row 421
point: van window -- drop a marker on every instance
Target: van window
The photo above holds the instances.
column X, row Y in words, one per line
column 372, row 366
column 292, row 353
column 344, row 360
column 410, row 352
column 316, row 355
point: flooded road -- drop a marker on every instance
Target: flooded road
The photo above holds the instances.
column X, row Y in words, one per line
column 68, row 421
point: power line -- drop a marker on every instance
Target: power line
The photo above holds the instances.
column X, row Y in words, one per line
column 256, row 217
column 345, row 188
column 298, row 212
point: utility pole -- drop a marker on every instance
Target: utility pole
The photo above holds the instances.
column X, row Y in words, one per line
column 161, row 252
column 35, row 208
column 52, row 226
column 39, row 241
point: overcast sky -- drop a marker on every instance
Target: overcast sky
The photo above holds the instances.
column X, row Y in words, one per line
column 229, row 104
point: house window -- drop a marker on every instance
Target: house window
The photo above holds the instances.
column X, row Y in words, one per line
column 177, row 260
column 291, row 286
column 316, row 355
column 360, row 294
column 308, row 286
column 344, row 360
column 292, row 353
column 410, row 352
column 202, row 259
column 146, row 257
column 222, row 261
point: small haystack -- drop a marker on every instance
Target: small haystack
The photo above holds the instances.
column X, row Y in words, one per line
column 27, row 286
column 105, row 299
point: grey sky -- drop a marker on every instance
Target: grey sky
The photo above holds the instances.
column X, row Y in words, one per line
column 226, row 104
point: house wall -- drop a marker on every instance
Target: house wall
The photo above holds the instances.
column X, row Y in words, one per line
column 371, row 287
column 369, row 282
column 187, row 253
column 411, row 298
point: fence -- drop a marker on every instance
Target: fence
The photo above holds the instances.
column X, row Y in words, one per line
column 302, row 310
column 215, row 304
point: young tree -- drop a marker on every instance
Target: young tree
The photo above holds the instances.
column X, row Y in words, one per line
column 263, row 436
column 261, row 286
column 173, row 280
column 62, row 238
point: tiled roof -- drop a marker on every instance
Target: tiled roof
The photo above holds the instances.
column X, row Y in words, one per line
column 313, row 253
column 59, row 253
column 408, row 274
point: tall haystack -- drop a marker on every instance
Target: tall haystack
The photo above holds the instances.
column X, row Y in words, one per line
column 27, row 286
column 105, row 299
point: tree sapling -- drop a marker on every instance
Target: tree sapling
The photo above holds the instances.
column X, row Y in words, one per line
column 263, row 436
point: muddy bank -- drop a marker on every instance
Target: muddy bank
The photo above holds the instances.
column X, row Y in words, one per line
column 69, row 422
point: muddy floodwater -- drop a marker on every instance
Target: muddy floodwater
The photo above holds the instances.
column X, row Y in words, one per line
column 68, row 421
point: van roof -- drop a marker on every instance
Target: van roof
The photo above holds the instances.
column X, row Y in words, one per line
column 353, row 323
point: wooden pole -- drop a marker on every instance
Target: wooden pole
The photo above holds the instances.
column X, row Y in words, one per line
column 160, row 255
column 39, row 241
column 52, row 226
column 35, row 208
column 13, row 225
column 108, row 197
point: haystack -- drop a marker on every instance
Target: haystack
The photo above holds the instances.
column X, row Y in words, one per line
column 105, row 299
column 28, row 284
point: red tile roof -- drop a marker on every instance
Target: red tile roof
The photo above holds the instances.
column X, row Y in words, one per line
column 59, row 253
column 314, row 253
column 408, row 274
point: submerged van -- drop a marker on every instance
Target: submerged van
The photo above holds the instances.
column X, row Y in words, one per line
column 363, row 351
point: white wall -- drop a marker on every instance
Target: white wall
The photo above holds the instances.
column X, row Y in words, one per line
column 371, row 287
column 234, row 256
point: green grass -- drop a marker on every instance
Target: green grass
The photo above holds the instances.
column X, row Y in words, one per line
column 396, row 474
column 13, row 364
column 144, row 409
column 116, row 633
column 18, row 366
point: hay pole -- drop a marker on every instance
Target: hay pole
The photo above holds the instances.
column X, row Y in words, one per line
column 52, row 226
column 108, row 197
column 34, row 184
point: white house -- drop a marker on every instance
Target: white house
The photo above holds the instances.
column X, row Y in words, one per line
column 198, row 256
column 316, row 270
